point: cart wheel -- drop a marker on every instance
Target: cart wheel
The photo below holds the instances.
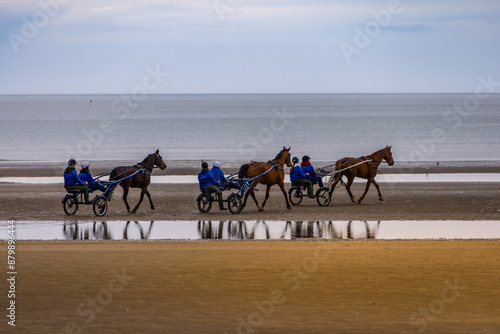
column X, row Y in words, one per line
column 295, row 195
column 69, row 205
column 204, row 203
column 100, row 206
column 234, row 203
column 323, row 196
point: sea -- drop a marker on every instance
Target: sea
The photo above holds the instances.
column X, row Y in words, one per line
column 231, row 127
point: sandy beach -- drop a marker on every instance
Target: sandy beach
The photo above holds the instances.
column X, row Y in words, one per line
column 257, row 286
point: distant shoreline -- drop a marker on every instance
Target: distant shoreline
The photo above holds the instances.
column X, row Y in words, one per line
column 11, row 168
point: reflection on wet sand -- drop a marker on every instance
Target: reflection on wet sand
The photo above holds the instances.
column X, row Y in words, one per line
column 101, row 231
column 255, row 230
column 226, row 230
column 240, row 230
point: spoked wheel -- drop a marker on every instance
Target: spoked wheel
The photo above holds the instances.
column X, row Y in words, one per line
column 234, row 203
column 204, row 203
column 100, row 206
column 323, row 196
column 70, row 206
column 295, row 195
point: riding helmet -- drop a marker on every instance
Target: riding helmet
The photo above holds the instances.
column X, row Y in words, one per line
column 295, row 160
column 305, row 158
column 71, row 162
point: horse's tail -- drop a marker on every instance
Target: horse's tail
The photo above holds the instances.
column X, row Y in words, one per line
column 338, row 166
column 113, row 174
column 242, row 173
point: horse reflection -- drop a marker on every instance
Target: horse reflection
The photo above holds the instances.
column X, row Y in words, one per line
column 143, row 236
column 236, row 230
column 99, row 231
column 366, row 234
column 310, row 229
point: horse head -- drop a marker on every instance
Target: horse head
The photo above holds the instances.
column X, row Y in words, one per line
column 286, row 154
column 158, row 160
column 388, row 156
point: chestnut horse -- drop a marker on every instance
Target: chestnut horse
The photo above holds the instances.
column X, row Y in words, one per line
column 275, row 175
column 141, row 179
column 366, row 170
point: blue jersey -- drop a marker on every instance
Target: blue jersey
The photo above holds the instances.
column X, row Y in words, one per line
column 87, row 177
column 71, row 177
column 218, row 175
column 206, row 179
column 297, row 173
column 309, row 169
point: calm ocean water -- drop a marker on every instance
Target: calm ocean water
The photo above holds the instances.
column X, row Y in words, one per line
column 420, row 127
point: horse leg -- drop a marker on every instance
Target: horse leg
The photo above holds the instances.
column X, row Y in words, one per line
column 282, row 187
column 140, row 201
column 368, row 183
column 150, row 200
column 251, row 192
column 125, row 193
column 378, row 189
column 348, row 188
column 268, row 188
column 255, row 200
column 336, row 180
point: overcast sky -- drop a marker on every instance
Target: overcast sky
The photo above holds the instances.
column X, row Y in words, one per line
column 247, row 46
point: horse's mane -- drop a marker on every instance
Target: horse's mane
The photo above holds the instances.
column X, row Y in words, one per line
column 146, row 158
column 278, row 156
column 383, row 149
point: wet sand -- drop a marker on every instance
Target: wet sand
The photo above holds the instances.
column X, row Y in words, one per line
column 402, row 201
column 257, row 287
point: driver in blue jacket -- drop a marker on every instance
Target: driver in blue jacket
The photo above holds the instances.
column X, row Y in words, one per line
column 87, row 177
column 208, row 183
column 73, row 182
column 220, row 178
column 308, row 168
column 299, row 178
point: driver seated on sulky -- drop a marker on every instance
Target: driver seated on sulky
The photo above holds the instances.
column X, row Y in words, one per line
column 72, row 182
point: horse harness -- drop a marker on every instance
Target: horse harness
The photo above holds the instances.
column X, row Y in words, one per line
column 144, row 171
column 279, row 166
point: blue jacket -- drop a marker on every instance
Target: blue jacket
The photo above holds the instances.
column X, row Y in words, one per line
column 297, row 174
column 218, row 175
column 206, row 179
column 71, row 177
column 87, row 177
column 309, row 169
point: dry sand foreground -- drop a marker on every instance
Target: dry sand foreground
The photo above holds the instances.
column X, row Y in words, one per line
column 256, row 287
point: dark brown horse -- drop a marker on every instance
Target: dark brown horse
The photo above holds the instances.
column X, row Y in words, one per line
column 141, row 179
column 367, row 170
column 275, row 175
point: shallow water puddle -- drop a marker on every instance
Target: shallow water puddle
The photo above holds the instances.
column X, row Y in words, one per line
column 252, row 230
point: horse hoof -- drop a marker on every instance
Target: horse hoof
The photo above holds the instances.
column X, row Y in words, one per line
column 359, row 201
column 381, row 199
column 130, row 211
column 152, row 208
column 289, row 207
column 261, row 208
column 134, row 211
